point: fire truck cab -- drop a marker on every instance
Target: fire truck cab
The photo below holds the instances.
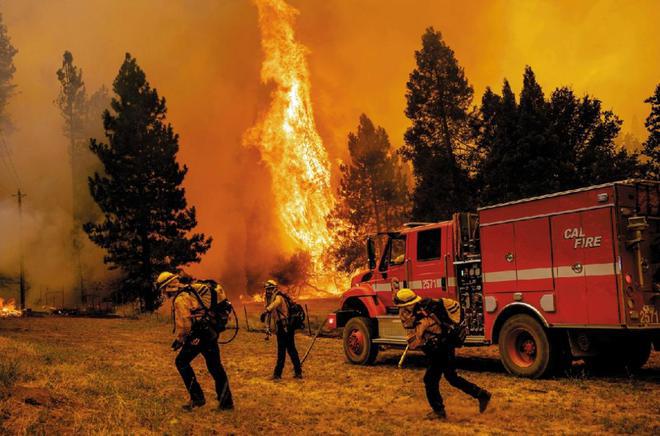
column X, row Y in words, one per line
column 571, row 275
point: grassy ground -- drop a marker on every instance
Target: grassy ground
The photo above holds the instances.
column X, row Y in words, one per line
column 66, row 375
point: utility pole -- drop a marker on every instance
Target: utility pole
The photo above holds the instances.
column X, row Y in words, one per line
column 19, row 196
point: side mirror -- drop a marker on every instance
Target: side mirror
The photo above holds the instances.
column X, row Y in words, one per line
column 371, row 253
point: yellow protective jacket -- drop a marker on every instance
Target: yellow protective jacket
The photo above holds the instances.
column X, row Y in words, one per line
column 278, row 309
column 187, row 309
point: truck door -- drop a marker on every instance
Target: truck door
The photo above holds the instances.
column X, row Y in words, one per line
column 430, row 266
column 568, row 269
column 392, row 269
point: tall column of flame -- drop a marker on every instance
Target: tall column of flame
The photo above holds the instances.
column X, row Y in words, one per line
column 287, row 136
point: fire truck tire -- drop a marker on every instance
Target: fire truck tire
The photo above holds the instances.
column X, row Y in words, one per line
column 357, row 336
column 525, row 348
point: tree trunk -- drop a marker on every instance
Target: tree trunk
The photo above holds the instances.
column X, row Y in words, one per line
column 146, row 287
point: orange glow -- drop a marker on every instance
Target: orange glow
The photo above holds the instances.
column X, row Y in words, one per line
column 8, row 308
column 348, row 57
column 256, row 298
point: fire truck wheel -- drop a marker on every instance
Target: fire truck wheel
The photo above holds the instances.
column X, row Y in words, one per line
column 357, row 341
column 525, row 349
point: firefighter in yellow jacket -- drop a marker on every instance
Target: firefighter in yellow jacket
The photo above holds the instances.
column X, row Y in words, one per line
column 428, row 322
column 277, row 307
column 194, row 336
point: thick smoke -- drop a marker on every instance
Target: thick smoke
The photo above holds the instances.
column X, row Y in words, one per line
column 204, row 57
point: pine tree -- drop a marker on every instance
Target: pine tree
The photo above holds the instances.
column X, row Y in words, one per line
column 147, row 222
column 535, row 151
column 496, row 135
column 585, row 136
column 92, row 127
column 652, row 144
column 82, row 120
column 438, row 103
column 7, row 70
column 540, row 146
column 71, row 101
column 372, row 196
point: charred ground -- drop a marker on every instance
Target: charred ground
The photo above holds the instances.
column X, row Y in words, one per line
column 66, row 375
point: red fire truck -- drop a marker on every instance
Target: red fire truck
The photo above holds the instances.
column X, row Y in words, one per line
column 571, row 275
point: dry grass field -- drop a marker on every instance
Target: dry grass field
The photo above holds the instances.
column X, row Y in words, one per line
column 117, row 376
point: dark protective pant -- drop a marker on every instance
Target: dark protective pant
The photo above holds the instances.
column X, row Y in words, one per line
column 286, row 342
column 442, row 360
column 211, row 352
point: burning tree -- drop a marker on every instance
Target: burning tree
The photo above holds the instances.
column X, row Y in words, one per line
column 287, row 137
column 294, row 273
column 147, row 222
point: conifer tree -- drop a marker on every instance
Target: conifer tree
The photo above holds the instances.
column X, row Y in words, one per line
column 438, row 103
column 495, row 136
column 652, row 144
column 147, row 221
column 535, row 151
column 7, row 70
column 540, row 146
column 372, row 196
column 71, row 102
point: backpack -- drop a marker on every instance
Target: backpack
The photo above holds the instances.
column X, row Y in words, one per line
column 456, row 332
column 218, row 314
column 453, row 332
column 296, row 313
column 214, row 318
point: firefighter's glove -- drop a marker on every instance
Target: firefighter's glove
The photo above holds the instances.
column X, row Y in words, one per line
column 262, row 317
column 177, row 344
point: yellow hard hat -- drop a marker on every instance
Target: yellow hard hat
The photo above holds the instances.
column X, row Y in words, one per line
column 164, row 279
column 406, row 297
column 270, row 284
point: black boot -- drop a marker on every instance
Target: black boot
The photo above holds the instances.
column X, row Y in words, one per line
column 484, row 399
column 223, row 407
column 438, row 414
column 188, row 407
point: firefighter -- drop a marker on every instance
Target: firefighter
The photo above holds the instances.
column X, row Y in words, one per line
column 424, row 318
column 277, row 307
column 194, row 337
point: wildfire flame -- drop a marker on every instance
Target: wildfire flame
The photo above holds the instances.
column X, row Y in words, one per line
column 8, row 308
column 256, row 298
column 287, row 135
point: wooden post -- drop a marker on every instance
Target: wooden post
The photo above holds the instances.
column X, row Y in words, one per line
column 309, row 321
column 247, row 323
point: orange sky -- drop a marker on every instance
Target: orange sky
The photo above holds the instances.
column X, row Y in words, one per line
column 204, row 57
